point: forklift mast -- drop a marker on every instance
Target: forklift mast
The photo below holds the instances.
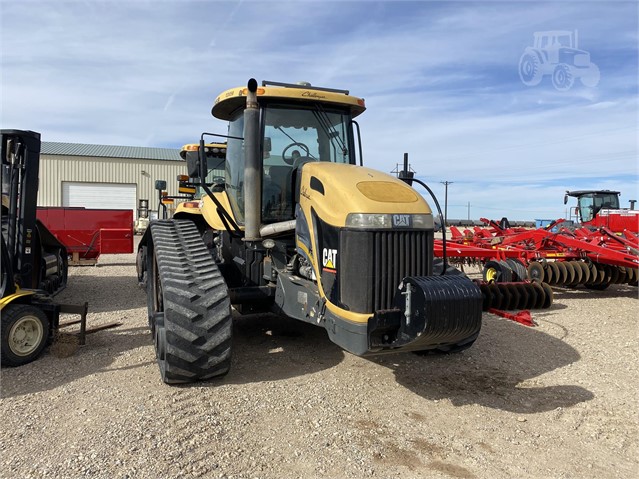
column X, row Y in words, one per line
column 20, row 166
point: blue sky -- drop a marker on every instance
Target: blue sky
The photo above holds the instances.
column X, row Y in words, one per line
column 440, row 81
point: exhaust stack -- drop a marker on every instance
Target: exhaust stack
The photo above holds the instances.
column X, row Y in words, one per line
column 252, row 176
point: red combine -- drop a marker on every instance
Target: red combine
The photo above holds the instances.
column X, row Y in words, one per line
column 600, row 208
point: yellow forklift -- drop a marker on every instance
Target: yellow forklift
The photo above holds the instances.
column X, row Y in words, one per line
column 300, row 228
column 34, row 263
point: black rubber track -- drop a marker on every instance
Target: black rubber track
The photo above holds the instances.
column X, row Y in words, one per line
column 194, row 317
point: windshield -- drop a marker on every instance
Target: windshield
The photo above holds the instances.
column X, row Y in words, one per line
column 292, row 137
column 589, row 205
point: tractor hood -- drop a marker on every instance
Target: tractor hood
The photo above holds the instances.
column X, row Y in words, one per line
column 336, row 190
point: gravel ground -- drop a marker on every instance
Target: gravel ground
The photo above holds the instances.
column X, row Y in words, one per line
column 558, row 400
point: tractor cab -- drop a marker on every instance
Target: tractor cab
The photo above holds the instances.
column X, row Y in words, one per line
column 215, row 154
column 590, row 202
column 294, row 131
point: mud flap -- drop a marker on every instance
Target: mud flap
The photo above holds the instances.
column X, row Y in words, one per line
column 428, row 312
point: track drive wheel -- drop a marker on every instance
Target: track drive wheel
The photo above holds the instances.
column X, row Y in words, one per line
column 189, row 306
column 25, row 333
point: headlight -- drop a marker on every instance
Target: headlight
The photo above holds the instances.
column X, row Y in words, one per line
column 389, row 221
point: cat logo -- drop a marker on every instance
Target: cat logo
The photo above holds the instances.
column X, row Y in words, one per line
column 401, row 221
column 329, row 259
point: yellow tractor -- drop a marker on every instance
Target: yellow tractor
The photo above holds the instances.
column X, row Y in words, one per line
column 299, row 228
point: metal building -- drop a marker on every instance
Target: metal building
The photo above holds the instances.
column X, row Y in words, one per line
column 104, row 176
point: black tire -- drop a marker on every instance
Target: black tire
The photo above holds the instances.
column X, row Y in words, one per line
column 140, row 266
column 518, row 269
column 493, row 271
column 25, row 334
column 189, row 305
column 507, row 272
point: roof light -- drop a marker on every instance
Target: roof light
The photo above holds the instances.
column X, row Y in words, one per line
column 260, row 91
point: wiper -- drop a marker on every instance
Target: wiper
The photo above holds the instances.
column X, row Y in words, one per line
column 329, row 129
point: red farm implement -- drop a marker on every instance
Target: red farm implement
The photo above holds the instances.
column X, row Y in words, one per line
column 594, row 258
column 88, row 233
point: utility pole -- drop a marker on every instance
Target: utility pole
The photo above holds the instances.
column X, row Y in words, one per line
column 446, row 183
column 469, row 211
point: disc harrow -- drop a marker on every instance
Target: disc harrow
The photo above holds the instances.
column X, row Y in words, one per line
column 522, row 295
column 573, row 273
column 579, row 257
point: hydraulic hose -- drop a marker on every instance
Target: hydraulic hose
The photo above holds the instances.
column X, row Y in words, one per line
column 444, row 259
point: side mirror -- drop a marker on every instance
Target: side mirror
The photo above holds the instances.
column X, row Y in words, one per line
column 201, row 155
column 565, row 199
column 193, row 163
column 160, row 185
column 267, row 144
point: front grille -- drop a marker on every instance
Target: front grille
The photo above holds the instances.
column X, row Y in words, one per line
column 397, row 254
column 374, row 262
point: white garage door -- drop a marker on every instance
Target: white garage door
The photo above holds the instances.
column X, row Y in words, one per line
column 112, row 196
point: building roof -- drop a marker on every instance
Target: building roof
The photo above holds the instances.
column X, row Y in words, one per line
column 109, row 151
